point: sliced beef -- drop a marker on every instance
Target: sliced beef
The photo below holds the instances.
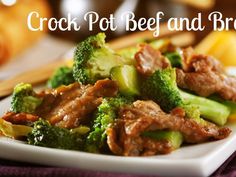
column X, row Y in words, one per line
column 199, row 63
column 124, row 137
column 228, row 89
column 205, row 76
column 68, row 106
column 202, row 83
column 121, row 143
column 148, row 60
column 175, row 121
column 20, row 118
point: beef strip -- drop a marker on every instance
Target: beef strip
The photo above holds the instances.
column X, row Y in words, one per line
column 148, row 60
column 124, row 137
column 121, row 143
column 68, row 106
column 20, row 118
column 205, row 76
column 199, row 63
column 175, row 121
column 203, row 83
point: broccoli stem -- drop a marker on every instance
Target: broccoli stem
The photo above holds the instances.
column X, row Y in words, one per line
column 230, row 104
column 126, row 78
column 209, row 109
column 174, row 137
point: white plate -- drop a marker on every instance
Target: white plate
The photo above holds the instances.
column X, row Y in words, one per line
column 195, row 160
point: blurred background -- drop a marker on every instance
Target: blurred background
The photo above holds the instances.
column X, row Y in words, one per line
column 22, row 49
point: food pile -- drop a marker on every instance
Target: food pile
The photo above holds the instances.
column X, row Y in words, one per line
column 138, row 101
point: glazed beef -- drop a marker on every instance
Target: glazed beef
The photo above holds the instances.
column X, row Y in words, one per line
column 20, row 118
column 68, row 106
column 203, row 83
column 199, row 63
column 121, row 143
column 205, row 76
column 148, row 60
column 124, row 137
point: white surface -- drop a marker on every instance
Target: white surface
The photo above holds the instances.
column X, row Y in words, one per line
column 195, row 160
column 44, row 51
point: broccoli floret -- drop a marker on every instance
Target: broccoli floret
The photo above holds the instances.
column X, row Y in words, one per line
column 162, row 88
column 194, row 113
column 46, row 135
column 62, row 76
column 175, row 59
column 105, row 115
column 24, row 99
column 93, row 60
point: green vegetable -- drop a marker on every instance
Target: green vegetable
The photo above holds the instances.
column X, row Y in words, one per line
column 210, row 110
column 229, row 104
column 174, row 137
column 175, row 59
column 62, row 76
column 162, row 88
column 46, row 135
column 161, row 44
column 24, row 99
column 127, row 79
column 105, row 115
column 194, row 113
column 128, row 53
column 82, row 130
column 14, row 131
column 93, row 60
